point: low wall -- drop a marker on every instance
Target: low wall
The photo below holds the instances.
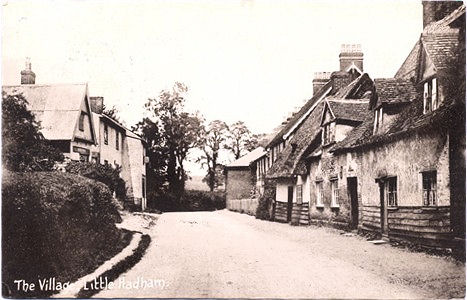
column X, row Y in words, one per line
column 243, row 205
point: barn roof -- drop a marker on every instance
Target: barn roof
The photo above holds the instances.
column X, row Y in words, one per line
column 57, row 107
column 248, row 158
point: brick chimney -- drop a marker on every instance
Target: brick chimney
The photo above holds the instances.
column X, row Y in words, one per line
column 319, row 80
column 97, row 104
column 351, row 54
column 436, row 10
column 27, row 75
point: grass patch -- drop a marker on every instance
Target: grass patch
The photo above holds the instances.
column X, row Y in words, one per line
column 120, row 268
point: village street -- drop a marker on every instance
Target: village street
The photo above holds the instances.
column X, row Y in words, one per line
column 226, row 254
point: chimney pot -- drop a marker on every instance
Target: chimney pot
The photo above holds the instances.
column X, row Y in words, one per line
column 351, row 54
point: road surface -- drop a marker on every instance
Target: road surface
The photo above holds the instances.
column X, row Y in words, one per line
column 226, row 254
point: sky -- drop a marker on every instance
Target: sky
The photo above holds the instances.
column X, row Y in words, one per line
column 242, row 60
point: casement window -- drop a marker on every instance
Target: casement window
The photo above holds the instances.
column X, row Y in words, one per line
column 319, row 194
column 429, row 188
column 328, row 133
column 391, row 191
column 106, row 134
column 117, row 140
column 299, row 194
column 334, row 193
column 81, row 121
column 378, row 120
column 430, row 95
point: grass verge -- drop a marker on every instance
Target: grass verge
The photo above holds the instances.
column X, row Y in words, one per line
column 120, row 268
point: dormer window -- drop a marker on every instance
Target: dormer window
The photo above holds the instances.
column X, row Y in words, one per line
column 378, row 120
column 328, row 133
column 430, row 95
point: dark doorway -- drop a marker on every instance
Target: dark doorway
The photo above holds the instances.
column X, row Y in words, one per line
column 353, row 196
column 384, row 209
column 289, row 203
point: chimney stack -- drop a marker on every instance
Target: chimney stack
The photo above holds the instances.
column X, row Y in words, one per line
column 97, row 104
column 320, row 79
column 351, row 56
column 436, row 10
column 27, row 75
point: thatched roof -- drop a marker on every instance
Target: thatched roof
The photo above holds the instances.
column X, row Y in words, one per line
column 299, row 117
column 291, row 161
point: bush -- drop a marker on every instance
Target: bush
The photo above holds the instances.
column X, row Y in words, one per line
column 262, row 211
column 190, row 200
column 103, row 173
column 61, row 226
column 23, row 146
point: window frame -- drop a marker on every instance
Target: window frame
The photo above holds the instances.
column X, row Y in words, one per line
column 431, row 177
column 430, row 95
column 81, row 121
column 299, row 188
column 117, row 140
column 391, row 194
column 334, row 193
column 319, row 193
column 106, row 134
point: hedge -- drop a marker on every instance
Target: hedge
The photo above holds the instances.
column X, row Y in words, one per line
column 55, row 225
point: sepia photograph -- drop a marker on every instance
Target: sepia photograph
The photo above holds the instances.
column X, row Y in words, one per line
column 237, row 149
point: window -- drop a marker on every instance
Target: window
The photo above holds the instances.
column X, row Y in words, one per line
column 81, row 121
column 334, row 193
column 299, row 194
column 378, row 120
column 106, row 134
column 328, row 133
column 430, row 95
column 143, row 187
column 391, row 191
column 319, row 193
column 429, row 188
column 117, row 140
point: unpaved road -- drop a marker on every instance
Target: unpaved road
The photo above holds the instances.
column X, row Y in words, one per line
column 225, row 254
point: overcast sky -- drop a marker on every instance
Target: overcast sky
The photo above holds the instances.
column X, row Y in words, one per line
column 242, row 60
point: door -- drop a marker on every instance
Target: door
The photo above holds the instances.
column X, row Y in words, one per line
column 384, row 209
column 353, row 196
column 289, row 203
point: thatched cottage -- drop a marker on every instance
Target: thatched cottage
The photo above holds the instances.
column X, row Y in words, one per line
column 385, row 156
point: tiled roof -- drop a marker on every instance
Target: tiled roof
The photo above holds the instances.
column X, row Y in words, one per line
column 248, row 158
column 57, row 107
column 299, row 116
column 392, row 90
column 409, row 68
column 348, row 109
column 439, row 39
column 442, row 49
